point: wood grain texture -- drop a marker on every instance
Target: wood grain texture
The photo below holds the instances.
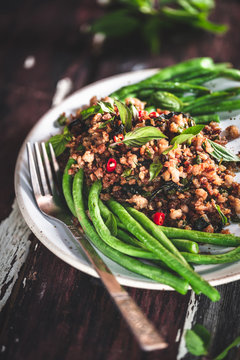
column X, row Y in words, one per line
column 55, row 311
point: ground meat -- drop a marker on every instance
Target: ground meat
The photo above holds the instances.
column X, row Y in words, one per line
column 88, row 157
column 186, row 182
column 139, row 201
column 232, row 132
column 175, row 214
column 201, row 193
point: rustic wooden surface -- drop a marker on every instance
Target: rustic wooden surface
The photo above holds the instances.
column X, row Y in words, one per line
column 53, row 310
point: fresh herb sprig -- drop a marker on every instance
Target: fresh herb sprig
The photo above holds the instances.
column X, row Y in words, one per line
column 198, row 341
column 148, row 20
column 186, row 135
column 221, row 153
column 59, row 141
column 140, row 136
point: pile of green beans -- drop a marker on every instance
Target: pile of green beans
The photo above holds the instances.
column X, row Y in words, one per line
column 170, row 250
column 183, row 87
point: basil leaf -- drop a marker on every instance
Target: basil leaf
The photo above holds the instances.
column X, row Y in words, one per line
column 172, row 147
column 127, row 172
column 59, row 142
column 194, row 130
column 222, row 216
column 104, row 124
column 133, row 111
column 141, row 136
column 223, row 354
column 62, row 120
column 111, row 223
column 165, row 100
column 125, row 114
column 197, row 340
column 221, row 153
column 92, row 110
column 187, row 134
column 155, row 169
column 106, row 107
column 180, row 139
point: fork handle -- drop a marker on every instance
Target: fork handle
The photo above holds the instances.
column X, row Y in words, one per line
column 143, row 330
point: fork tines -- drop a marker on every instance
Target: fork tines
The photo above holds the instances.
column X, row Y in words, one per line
column 43, row 173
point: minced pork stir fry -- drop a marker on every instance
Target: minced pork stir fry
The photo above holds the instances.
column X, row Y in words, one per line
column 177, row 180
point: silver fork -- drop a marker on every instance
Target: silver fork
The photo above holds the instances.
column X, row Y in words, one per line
column 45, row 184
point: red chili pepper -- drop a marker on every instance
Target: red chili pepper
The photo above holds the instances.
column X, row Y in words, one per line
column 153, row 114
column 159, row 218
column 111, row 165
column 142, row 113
column 118, row 137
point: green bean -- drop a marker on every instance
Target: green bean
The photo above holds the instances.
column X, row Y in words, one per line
column 67, row 186
column 204, row 79
column 202, row 72
column 105, row 212
column 129, row 239
column 227, row 105
column 230, row 73
column 206, row 119
column 134, row 265
column 166, row 74
column 212, row 98
column 201, row 237
column 228, row 257
column 103, row 231
column 155, row 231
column 186, row 245
column 156, row 247
column 172, row 87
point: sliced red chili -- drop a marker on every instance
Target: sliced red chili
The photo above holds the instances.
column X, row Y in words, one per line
column 118, row 137
column 153, row 114
column 159, row 218
column 142, row 113
column 111, row 165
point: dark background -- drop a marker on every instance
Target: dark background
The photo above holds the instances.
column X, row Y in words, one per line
column 62, row 313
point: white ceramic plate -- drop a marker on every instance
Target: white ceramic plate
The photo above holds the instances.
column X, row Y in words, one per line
column 55, row 237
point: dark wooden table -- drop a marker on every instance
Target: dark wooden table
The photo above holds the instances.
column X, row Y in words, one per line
column 49, row 310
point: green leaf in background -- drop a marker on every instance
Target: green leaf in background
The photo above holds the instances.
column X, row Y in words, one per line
column 197, row 340
column 204, row 5
column 125, row 114
column 221, row 153
column 151, row 33
column 59, row 142
column 111, row 223
column 116, row 24
column 224, row 353
column 141, row 136
column 144, row 6
column 155, row 169
column 222, row 216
